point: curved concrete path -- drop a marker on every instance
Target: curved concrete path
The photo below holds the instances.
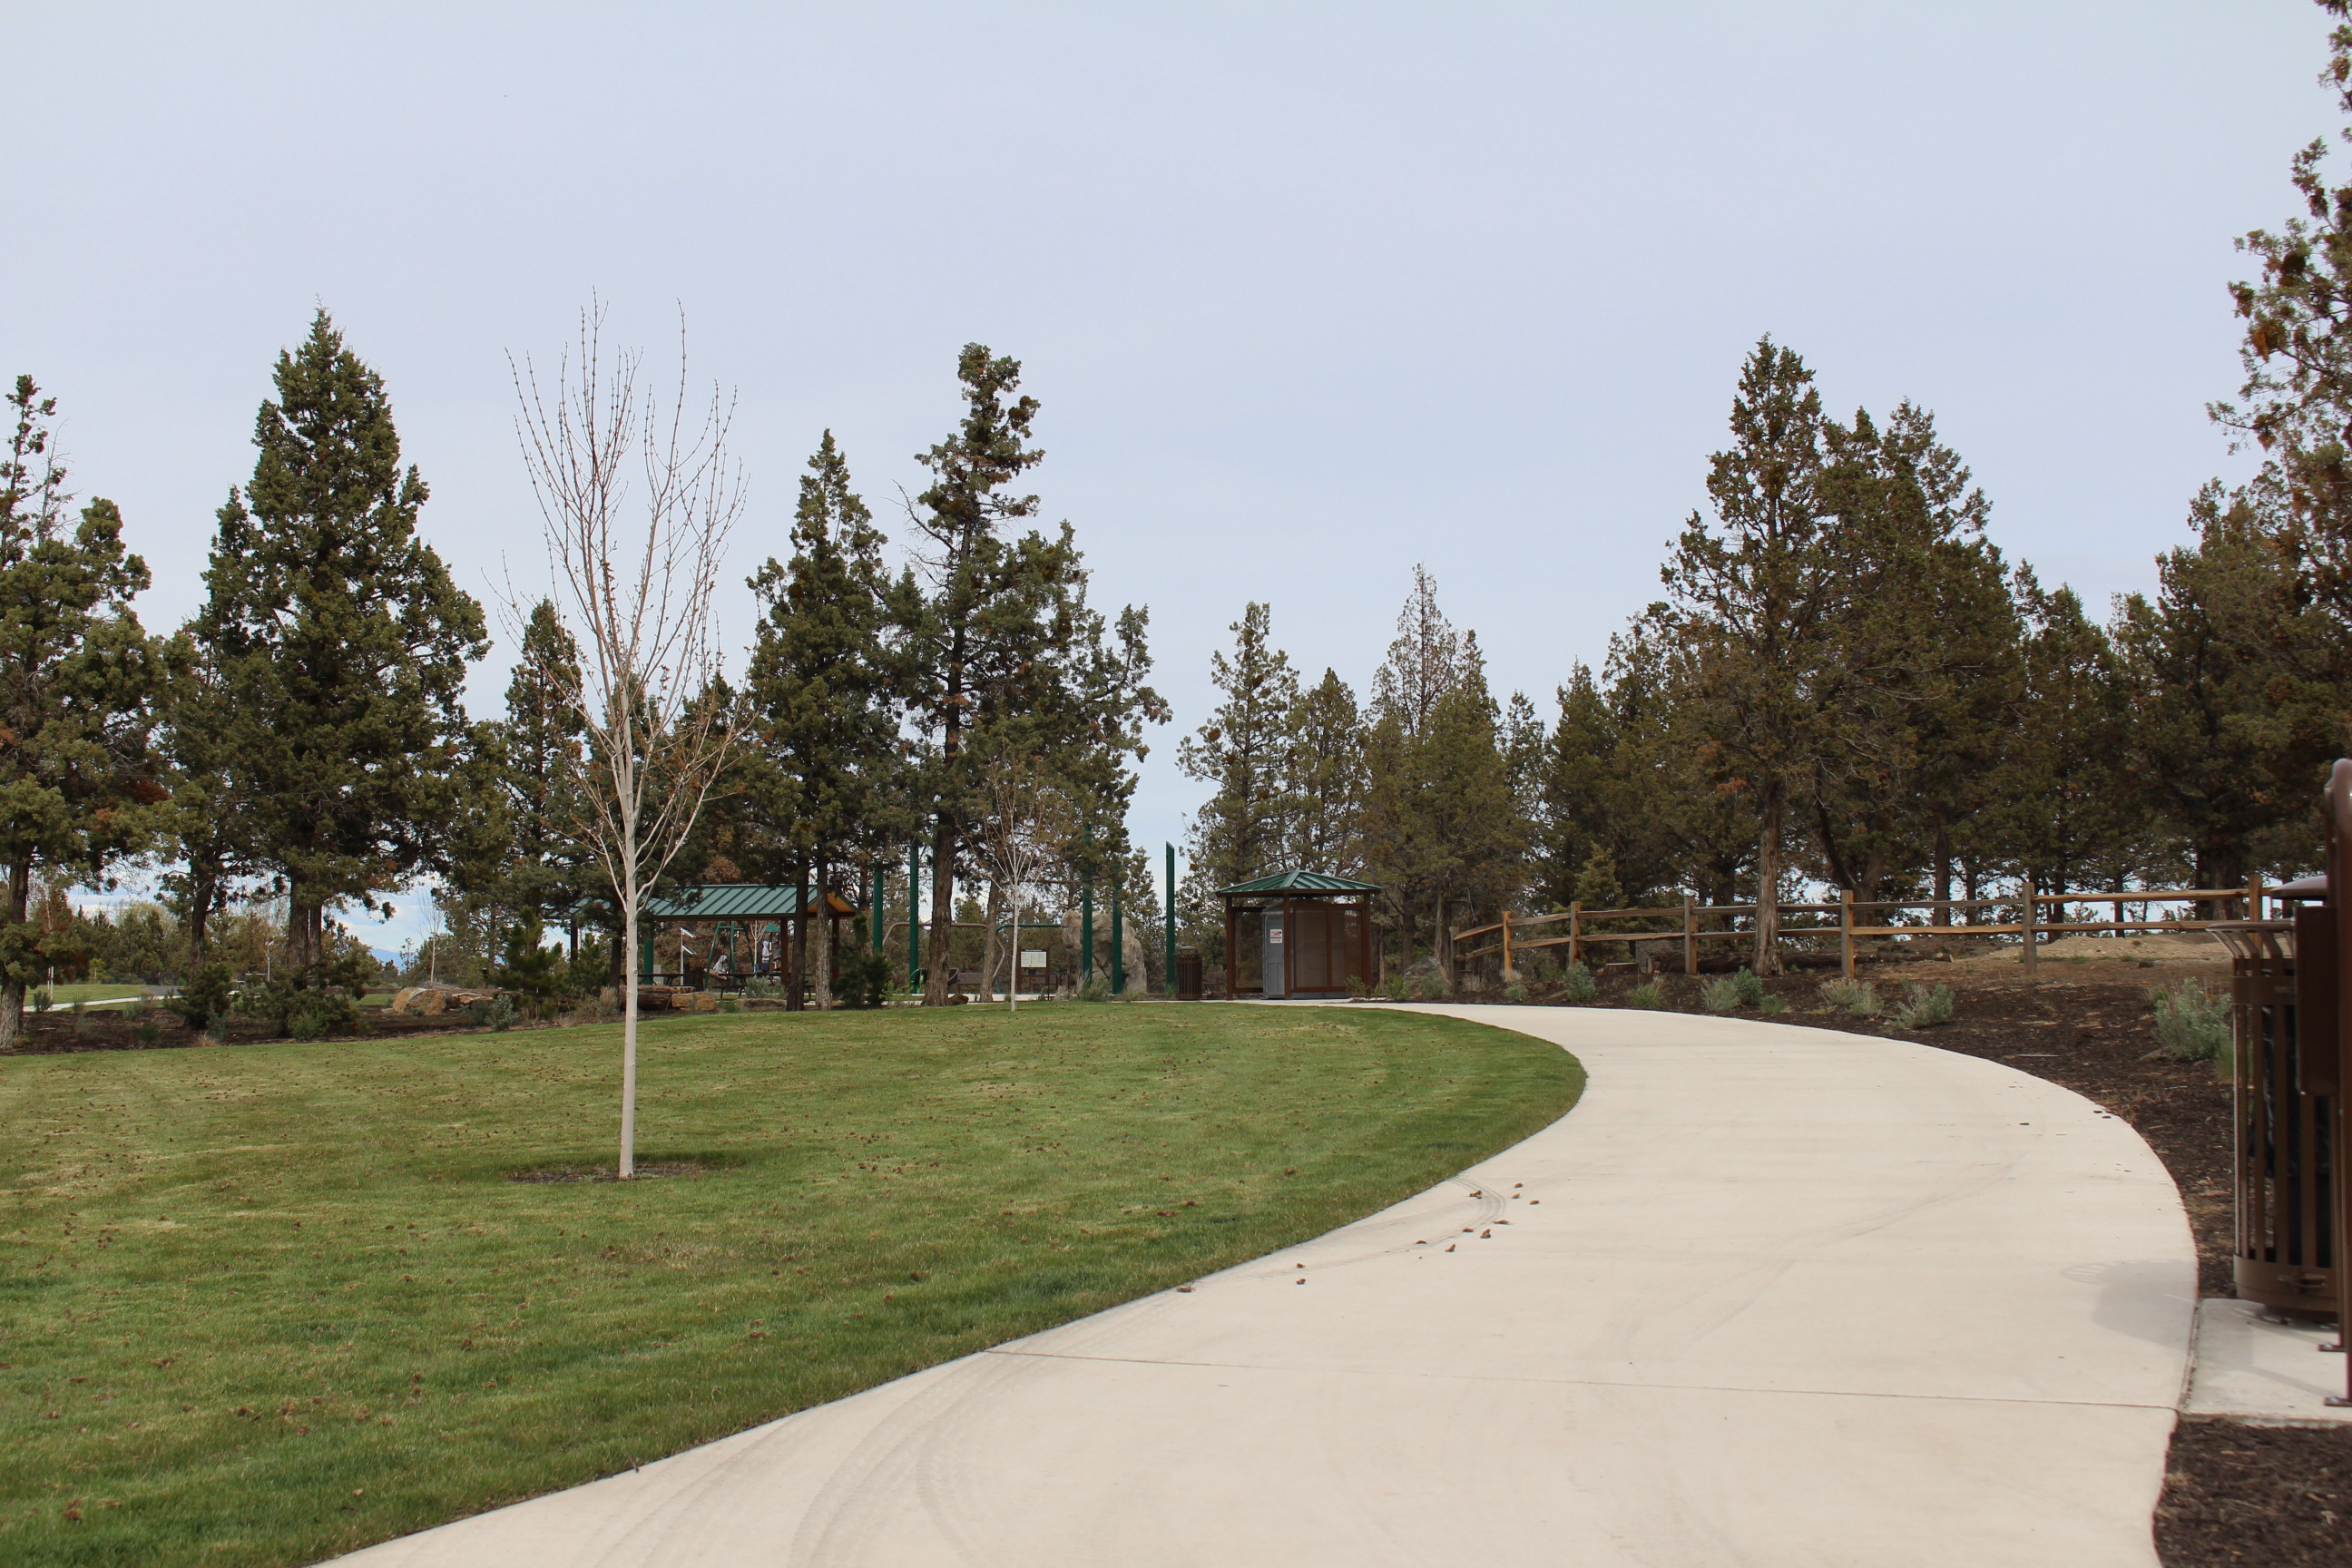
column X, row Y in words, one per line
column 1767, row 1296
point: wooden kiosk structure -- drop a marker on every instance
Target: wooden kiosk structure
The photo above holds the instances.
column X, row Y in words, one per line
column 752, row 927
column 1298, row 933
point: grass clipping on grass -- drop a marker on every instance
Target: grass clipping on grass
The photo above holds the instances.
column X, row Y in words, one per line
column 267, row 1304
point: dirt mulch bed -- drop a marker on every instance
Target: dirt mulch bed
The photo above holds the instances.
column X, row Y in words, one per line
column 2279, row 1497
column 2233, row 1494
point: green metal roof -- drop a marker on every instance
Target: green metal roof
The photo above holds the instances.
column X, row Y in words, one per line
column 1301, row 882
column 734, row 901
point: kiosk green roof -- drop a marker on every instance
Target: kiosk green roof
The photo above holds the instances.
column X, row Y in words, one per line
column 1298, row 883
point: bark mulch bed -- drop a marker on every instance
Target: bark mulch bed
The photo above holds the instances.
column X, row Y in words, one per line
column 60, row 1031
column 2233, row 1494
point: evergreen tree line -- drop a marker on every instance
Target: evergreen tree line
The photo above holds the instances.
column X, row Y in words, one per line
column 1847, row 685
column 299, row 748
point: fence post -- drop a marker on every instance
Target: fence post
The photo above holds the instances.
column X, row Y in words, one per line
column 2031, row 916
column 1506, row 947
column 2254, row 897
column 1845, row 933
column 1576, row 933
column 1690, row 937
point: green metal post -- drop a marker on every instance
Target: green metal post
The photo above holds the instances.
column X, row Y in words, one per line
column 645, row 949
column 1171, row 920
column 914, row 909
column 1118, row 940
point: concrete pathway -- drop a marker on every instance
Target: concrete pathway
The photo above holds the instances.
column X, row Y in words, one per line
column 1767, row 1297
column 2253, row 1367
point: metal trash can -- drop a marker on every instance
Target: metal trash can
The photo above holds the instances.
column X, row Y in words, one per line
column 2285, row 1083
column 1188, row 975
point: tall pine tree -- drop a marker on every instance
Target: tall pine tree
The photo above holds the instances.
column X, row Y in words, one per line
column 541, row 749
column 342, row 646
column 1242, row 751
column 1754, row 601
column 1003, row 654
column 78, row 684
column 823, row 698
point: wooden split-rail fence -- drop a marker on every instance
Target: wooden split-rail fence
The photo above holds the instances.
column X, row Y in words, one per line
column 1692, row 924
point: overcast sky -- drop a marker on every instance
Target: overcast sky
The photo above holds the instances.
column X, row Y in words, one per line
column 1309, row 293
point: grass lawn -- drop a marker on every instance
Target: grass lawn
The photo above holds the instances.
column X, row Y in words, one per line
column 263, row 1303
column 67, row 995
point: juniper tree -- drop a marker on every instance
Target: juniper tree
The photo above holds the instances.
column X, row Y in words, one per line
column 823, row 698
column 2236, row 710
column 1323, row 778
column 1440, row 823
column 204, row 821
column 342, row 646
column 1753, row 600
column 1242, row 749
column 2297, row 354
column 78, row 684
column 541, row 750
column 1003, row 656
column 2064, row 808
column 1919, row 660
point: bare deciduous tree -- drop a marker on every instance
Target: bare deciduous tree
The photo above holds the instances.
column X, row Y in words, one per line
column 1026, row 832
column 634, row 571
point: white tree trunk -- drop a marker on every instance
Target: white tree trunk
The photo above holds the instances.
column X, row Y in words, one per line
column 629, row 1009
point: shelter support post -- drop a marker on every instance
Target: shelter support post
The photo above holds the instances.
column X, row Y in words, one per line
column 914, row 917
column 1170, row 970
column 1233, row 954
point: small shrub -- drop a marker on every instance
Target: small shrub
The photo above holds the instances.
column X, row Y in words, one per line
column 311, row 1003
column 149, row 1034
column 1650, row 993
column 729, row 1005
column 760, row 989
column 1859, row 997
column 1398, row 989
column 862, row 980
column 1750, row 988
column 1720, row 996
column 532, row 971
column 1356, row 986
column 1433, row 987
column 203, row 998
column 1576, row 983
column 1925, row 1008
column 133, row 1009
column 491, row 1013
column 2191, row 1024
column 1771, row 1005
column 1515, row 992
column 43, row 1001
column 1095, row 990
